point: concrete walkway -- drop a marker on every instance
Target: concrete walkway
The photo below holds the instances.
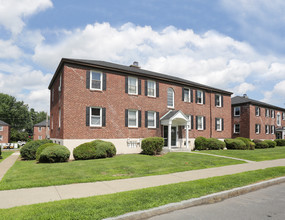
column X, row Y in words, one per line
column 6, row 164
column 12, row 198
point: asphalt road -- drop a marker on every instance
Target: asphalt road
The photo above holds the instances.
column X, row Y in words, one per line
column 267, row 203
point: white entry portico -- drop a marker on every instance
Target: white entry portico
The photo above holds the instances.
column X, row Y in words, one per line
column 175, row 118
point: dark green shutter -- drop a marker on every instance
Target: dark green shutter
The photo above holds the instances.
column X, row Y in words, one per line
column 126, row 84
column 204, row 120
column 204, row 97
column 222, row 124
column 140, row 87
column 191, row 93
column 104, row 81
column 87, row 79
column 192, row 122
column 222, row 99
column 196, row 97
column 140, row 118
column 196, row 122
column 182, row 94
column 157, row 119
column 87, row 116
column 103, row 117
column 145, row 87
column 126, row 118
column 216, row 103
column 146, row 119
column 216, row 122
column 157, row 89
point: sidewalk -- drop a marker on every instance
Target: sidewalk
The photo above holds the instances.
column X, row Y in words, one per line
column 7, row 163
column 13, row 198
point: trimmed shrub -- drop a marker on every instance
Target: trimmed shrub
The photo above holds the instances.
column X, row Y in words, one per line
column 41, row 148
column 235, row 144
column 256, row 141
column 249, row 144
column 280, row 142
column 0, row 153
column 152, row 145
column 271, row 144
column 94, row 150
column 215, row 144
column 54, row 154
column 200, row 143
column 261, row 145
column 29, row 150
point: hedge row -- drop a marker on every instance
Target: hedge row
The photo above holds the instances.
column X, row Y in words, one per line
column 29, row 150
column 202, row 143
column 280, row 142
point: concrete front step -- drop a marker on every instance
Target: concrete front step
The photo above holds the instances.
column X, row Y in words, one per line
column 176, row 149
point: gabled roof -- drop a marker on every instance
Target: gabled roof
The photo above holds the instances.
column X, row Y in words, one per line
column 41, row 124
column 240, row 100
column 133, row 71
column 4, row 123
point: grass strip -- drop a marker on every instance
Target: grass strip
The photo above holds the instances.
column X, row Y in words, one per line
column 26, row 174
column 99, row 207
column 254, row 155
column 5, row 154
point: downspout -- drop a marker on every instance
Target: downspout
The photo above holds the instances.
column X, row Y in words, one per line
column 211, row 113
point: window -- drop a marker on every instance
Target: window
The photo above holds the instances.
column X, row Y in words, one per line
column 170, row 98
column 96, row 80
column 200, row 97
column 219, row 124
column 272, row 129
column 266, row 129
column 257, row 111
column 267, row 113
column 237, row 111
column 218, row 100
column 272, row 114
column 1, row 128
column 1, row 138
column 257, row 128
column 52, row 121
column 59, row 118
column 60, row 79
column 200, row 123
column 278, row 119
column 283, row 115
column 133, row 118
column 151, row 119
column 96, row 117
column 40, row 129
column 132, row 85
column 151, row 88
column 40, row 137
column 187, row 95
column 236, row 128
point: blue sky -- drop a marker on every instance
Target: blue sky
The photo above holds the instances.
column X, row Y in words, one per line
column 235, row 45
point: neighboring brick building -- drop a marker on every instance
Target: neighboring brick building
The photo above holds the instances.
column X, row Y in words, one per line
column 100, row 100
column 4, row 132
column 41, row 130
column 257, row 120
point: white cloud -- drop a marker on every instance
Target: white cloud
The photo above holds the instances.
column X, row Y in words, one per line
column 9, row 50
column 12, row 12
column 243, row 88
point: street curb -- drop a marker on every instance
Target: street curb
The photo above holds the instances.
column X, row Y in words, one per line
column 208, row 199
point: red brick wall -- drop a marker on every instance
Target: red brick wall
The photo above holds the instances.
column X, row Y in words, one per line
column 75, row 98
column 38, row 133
column 5, row 133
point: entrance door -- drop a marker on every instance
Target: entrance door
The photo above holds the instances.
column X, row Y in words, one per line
column 278, row 135
column 173, row 135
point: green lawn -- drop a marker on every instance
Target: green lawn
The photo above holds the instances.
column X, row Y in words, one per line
column 255, row 155
column 99, row 207
column 6, row 154
column 25, row 174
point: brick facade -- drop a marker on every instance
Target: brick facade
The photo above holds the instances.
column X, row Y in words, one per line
column 248, row 120
column 4, row 132
column 73, row 97
column 41, row 131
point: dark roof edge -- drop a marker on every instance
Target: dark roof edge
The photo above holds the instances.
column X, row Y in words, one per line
column 179, row 80
column 3, row 123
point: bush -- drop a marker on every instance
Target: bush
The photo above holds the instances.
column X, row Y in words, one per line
column 0, row 153
column 200, row 143
column 261, row 145
column 280, row 142
column 271, row 144
column 215, row 144
column 29, row 150
column 235, row 144
column 94, row 150
column 152, row 145
column 41, row 148
column 256, row 141
column 249, row 144
column 54, row 154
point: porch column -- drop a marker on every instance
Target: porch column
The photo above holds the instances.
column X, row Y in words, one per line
column 169, row 134
column 187, row 135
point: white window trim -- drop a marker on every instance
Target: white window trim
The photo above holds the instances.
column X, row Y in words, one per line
column 258, row 126
column 59, row 118
column 92, row 125
column 137, row 82
column 1, row 128
column 39, row 129
column 267, row 112
column 136, row 118
column 258, row 111
column 40, row 137
column 202, row 120
column 267, row 129
column 235, row 129
column 202, row 97
column 272, row 129
column 52, row 122
column 154, row 88
column 235, row 110
column 154, row 115
column 60, row 79
column 1, row 138
column 278, row 116
column 172, row 98
column 283, row 116
column 101, row 80
column 220, row 129
column 189, row 94
column 272, row 113
column 220, row 100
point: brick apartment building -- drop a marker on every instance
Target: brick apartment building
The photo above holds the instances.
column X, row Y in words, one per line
column 257, row 120
column 41, row 130
column 4, row 132
column 123, row 104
